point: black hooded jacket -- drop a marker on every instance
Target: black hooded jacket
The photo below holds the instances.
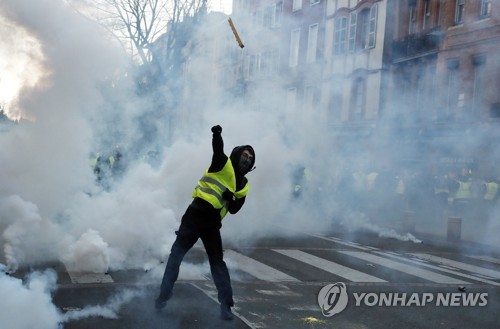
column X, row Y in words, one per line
column 219, row 159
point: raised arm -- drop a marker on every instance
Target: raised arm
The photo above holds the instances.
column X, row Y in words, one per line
column 218, row 158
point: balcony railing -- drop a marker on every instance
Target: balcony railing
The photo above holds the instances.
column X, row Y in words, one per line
column 417, row 44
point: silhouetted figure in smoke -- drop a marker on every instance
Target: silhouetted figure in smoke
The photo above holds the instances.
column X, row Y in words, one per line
column 222, row 188
column 116, row 163
column 301, row 178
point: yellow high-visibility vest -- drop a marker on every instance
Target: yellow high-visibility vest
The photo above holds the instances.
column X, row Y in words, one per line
column 491, row 191
column 213, row 184
column 463, row 191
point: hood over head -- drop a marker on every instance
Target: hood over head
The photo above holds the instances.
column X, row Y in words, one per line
column 236, row 155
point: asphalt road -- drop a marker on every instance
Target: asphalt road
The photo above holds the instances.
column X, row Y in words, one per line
column 276, row 282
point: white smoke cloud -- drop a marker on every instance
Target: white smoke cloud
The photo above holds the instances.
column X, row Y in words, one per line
column 108, row 310
column 75, row 109
column 32, row 298
column 51, row 207
column 28, row 237
column 88, row 254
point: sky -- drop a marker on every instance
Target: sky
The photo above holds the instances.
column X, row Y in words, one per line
column 23, row 68
column 225, row 6
column 76, row 98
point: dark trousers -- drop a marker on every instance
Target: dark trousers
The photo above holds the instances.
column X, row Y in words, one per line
column 195, row 225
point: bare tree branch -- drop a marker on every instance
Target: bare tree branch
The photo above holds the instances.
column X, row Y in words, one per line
column 140, row 22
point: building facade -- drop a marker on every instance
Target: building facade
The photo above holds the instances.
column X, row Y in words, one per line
column 446, row 75
column 426, row 69
column 355, row 58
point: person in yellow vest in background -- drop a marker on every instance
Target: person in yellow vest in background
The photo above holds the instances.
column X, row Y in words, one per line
column 223, row 188
column 489, row 191
column 95, row 162
column 462, row 192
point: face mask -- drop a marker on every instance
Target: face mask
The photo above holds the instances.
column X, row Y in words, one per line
column 244, row 164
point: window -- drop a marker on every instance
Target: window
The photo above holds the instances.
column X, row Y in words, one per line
column 373, row 27
column 277, row 13
column 368, row 23
column 479, row 83
column 459, row 11
column 427, row 14
column 339, row 43
column 294, row 48
column 358, row 100
column 485, row 8
column 363, row 30
column 412, row 28
column 452, row 93
column 312, row 43
column 297, row 5
column 272, row 15
column 352, row 31
column 267, row 16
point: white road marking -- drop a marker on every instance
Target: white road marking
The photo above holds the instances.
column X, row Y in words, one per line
column 329, row 266
column 405, row 268
column 345, row 243
column 421, row 262
column 486, row 258
column 213, row 296
column 257, row 269
column 463, row 266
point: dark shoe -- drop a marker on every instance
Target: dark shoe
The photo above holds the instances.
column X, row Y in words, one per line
column 161, row 301
column 225, row 312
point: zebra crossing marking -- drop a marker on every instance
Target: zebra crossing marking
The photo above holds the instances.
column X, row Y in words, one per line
column 420, row 262
column 257, row 269
column 405, row 268
column 486, row 258
column 345, row 243
column 329, row 266
column 192, row 272
column 463, row 266
column 478, row 276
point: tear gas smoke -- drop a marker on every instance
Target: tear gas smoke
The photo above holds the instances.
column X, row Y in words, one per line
column 108, row 310
column 355, row 221
column 52, row 208
column 34, row 296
